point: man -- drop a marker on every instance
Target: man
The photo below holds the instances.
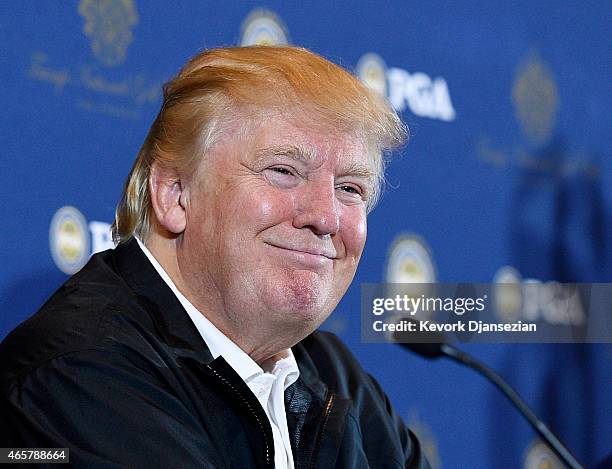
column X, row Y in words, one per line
column 240, row 228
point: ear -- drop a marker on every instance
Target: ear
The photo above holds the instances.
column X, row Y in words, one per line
column 168, row 198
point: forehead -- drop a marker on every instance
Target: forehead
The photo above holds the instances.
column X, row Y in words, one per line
column 310, row 142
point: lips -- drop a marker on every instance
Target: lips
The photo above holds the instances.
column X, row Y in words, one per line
column 323, row 251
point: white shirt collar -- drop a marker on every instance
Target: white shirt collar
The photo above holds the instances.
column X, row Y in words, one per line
column 219, row 344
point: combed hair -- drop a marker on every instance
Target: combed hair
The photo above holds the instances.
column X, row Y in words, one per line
column 217, row 84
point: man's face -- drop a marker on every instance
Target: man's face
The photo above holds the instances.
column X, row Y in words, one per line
column 276, row 223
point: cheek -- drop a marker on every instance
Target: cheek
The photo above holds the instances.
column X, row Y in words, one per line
column 354, row 231
column 268, row 207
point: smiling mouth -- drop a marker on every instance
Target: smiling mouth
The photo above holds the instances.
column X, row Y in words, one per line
column 307, row 251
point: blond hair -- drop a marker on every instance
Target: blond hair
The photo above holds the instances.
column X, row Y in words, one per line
column 211, row 88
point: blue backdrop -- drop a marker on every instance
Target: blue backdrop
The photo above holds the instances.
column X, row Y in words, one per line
column 508, row 174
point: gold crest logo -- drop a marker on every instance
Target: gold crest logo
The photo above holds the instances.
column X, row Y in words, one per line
column 540, row 456
column 371, row 70
column 536, row 100
column 410, row 269
column 263, row 28
column 410, row 261
column 69, row 239
column 508, row 294
column 108, row 24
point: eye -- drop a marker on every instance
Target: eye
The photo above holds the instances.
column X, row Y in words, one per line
column 281, row 170
column 350, row 189
column 281, row 176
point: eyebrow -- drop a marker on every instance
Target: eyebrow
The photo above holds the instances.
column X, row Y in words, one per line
column 295, row 152
column 304, row 154
column 359, row 170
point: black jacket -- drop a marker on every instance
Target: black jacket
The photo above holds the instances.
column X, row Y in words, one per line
column 113, row 368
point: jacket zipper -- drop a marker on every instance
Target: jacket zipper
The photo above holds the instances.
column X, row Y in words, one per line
column 328, row 407
column 236, row 392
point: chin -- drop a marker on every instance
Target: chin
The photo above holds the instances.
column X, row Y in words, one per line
column 301, row 298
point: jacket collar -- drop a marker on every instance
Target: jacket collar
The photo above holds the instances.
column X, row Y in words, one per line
column 171, row 320
column 308, row 371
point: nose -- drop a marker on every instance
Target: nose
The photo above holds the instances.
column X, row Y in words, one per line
column 317, row 208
